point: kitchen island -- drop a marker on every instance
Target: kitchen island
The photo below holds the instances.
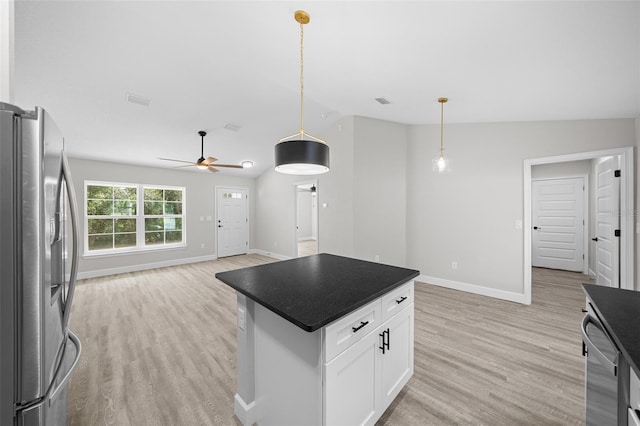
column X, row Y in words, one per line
column 322, row 339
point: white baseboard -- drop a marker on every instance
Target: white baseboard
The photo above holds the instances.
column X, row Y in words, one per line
column 143, row 267
column 246, row 413
column 592, row 274
column 270, row 254
column 473, row 288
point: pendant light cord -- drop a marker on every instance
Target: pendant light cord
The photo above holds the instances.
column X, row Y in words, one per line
column 441, row 129
column 442, row 102
column 302, row 80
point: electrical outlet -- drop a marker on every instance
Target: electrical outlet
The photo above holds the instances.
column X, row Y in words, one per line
column 377, row 258
column 201, row 245
column 454, row 265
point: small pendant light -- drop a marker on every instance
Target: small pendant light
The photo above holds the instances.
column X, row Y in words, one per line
column 301, row 156
column 441, row 164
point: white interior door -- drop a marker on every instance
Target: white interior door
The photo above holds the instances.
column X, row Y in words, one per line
column 607, row 222
column 232, row 221
column 558, row 223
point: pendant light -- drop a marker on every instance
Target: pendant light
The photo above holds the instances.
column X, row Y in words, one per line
column 294, row 154
column 441, row 163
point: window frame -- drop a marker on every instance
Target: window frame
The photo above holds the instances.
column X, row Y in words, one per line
column 141, row 246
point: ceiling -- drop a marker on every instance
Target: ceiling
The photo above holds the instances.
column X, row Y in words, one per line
column 206, row 64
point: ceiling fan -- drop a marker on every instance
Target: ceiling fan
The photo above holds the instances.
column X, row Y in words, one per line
column 204, row 163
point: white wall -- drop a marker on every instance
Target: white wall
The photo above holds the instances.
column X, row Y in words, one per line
column 200, row 197
column 468, row 216
column 275, row 202
column 380, row 191
column 362, row 199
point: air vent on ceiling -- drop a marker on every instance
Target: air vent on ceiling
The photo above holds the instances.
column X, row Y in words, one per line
column 382, row 101
column 137, row 99
column 232, row 127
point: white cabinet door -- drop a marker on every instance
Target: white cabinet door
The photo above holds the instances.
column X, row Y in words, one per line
column 351, row 394
column 397, row 361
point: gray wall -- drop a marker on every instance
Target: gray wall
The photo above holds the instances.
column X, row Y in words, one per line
column 200, row 197
column 468, row 216
column 362, row 199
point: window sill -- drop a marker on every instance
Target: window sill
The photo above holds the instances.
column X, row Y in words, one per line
column 91, row 255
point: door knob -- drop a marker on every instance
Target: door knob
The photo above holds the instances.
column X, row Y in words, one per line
column 535, row 227
column 595, row 239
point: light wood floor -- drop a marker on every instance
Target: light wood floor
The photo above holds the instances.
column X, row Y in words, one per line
column 307, row 248
column 159, row 348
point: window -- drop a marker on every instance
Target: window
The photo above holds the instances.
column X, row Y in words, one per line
column 162, row 216
column 116, row 222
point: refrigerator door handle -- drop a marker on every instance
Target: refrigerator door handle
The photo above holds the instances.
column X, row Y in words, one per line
column 592, row 349
column 51, row 392
column 73, row 339
column 73, row 210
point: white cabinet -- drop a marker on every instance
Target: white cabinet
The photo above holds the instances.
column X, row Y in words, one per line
column 397, row 361
column 346, row 373
column 363, row 380
column 351, row 396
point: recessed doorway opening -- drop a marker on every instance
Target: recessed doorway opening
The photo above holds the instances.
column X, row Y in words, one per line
column 306, row 230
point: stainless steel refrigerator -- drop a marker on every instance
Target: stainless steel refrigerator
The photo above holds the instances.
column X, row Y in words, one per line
column 38, row 264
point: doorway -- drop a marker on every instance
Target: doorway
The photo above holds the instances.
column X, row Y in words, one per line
column 626, row 229
column 232, row 221
column 306, row 227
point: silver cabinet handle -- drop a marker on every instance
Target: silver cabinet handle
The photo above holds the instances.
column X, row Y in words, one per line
column 73, row 210
column 592, row 349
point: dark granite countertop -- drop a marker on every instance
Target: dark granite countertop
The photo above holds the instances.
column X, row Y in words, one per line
column 619, row 310
column 315, row 290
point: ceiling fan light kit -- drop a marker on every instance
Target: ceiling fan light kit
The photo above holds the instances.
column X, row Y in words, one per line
column 441, row 164
column 294, row 154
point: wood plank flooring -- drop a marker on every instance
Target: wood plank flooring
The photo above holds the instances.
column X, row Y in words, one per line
column 159, row 348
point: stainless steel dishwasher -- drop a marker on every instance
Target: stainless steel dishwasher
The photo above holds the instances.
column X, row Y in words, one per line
column 601, row 374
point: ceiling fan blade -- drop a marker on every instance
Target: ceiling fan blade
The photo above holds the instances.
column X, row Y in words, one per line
column 231, row 166
column 213, row 169
column 179, row 161
column 209, row 160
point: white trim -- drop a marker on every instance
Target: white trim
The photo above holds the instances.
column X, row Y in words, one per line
column 246, row 413
column 627, row 223
column 585, row 214
column 592, row 274
column 473, row 288
column 270, row 254
column 143, row 266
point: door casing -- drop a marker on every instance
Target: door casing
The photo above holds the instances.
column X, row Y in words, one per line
column 627, row 225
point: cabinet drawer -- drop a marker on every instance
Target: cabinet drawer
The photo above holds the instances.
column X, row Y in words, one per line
column 396, row 300
column 344, row 332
